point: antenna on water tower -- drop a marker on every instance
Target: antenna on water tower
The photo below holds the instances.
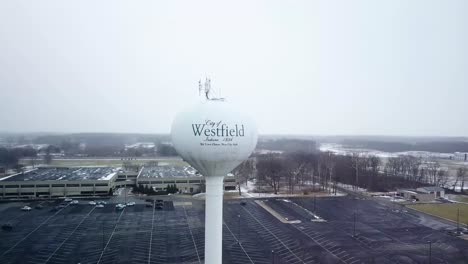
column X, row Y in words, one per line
column 207, row 90
column 199, row 87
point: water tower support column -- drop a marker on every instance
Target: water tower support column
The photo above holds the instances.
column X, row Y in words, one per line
column 214, row 220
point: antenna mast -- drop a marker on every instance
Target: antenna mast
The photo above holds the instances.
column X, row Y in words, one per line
column 199, row 87
column 207, row 90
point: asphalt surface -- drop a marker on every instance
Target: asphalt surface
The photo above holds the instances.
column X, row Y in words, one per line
column 355, row 231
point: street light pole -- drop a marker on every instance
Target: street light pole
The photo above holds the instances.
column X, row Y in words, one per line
column 238, row 226
column 354, row 224
column 103, row 244
column 430, row 251
column 315, row 212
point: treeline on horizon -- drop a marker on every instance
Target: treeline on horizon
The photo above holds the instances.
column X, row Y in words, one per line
column 267, row 142
column 435, row 146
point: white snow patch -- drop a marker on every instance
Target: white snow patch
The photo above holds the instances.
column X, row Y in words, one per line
column 107, row 177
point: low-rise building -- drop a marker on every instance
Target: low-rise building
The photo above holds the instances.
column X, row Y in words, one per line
column 460, row 156
column 423, row 194
column 59, row 182
column 185, row 178
column 49, row 182
column 434, row 190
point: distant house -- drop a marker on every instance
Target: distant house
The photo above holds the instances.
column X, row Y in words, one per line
column 461, row 156
column 423, row 194
column 434, row 190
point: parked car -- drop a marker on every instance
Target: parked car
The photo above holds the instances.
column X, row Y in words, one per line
column 7, row 227
column 159, row 207
column 131, row 203
column 120, row 206
column 67, row 200
column 149, row 200
column 92, row 203
column 39, row 206
column 101, row 202
column 99, row 206
column 149, row 205
column 454, row 232
column 26, row 208
column 74, row 202
column 243, row 203
column 464, row 230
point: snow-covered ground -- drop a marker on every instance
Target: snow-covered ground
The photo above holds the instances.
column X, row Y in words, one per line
column 341, row 150
column 444, row 160
column 108, row 177
column 248, row 191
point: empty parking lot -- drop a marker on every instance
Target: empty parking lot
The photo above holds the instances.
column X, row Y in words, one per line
column 355, row 231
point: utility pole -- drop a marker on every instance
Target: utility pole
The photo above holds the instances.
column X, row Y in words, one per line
column 103, row 244
column 238, row 226
column 354, row 224
column 315, row 198
column 430, row 251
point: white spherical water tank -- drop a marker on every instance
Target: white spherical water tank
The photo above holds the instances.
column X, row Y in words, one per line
column 214, row 138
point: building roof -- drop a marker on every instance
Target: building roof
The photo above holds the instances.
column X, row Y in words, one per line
column 168, row 171
column 412, row 191
column 431, row 189
column 64, row 174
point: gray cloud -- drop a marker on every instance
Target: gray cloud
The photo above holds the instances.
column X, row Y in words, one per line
column 301, row 67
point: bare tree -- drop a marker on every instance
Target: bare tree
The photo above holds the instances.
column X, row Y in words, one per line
column 442, row 178
column 461, row 176
column 432, row 170
column 32, row 161
column 270, row 170
column 325, row 169
column 243, row 172
column 357, row 164
column 19, row 168
column 373, row 163
column 47, row 157
column 414, row 165
column 303, row 165
column 330, row 165
column 423, row 175
column 393, row 166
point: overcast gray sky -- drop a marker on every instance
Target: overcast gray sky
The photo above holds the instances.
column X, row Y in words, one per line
column 299, row 67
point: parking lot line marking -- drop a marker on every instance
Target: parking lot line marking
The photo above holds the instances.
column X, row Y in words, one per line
column 273, row 234
column 152, row 228
column 30, row 233
column 191, row 234
column 242, row 247
column 319, row 244
column 112, row 234
column 16, row 217
column 61, row 244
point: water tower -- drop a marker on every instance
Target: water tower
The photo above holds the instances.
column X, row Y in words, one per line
column 214, row 138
